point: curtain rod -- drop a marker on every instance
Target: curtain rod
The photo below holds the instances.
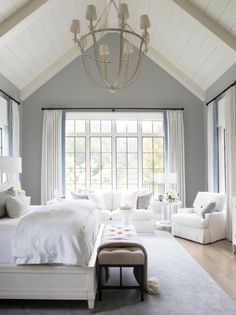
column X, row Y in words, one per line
column 109, row 109
column 12, row 98
column 221, row 93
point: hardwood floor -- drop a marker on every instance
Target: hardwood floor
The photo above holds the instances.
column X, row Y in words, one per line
column 218, row 260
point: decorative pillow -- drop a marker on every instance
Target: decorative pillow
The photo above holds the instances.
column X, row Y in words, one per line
column 98, row 200
column 207, row 208
column 17, row 205
column 143, row 201
column 79, row 195
column 129, row 199
column 3, row 197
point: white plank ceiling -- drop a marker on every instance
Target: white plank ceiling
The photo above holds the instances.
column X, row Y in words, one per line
column 40, row 43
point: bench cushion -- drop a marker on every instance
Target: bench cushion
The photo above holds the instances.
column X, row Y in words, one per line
column 121, row 256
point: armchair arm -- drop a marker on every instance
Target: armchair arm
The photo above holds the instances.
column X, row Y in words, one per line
column 185, row 210
column 216, row 224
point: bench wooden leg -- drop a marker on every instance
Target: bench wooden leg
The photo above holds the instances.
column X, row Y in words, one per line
column 142, row 283
column 99, row 283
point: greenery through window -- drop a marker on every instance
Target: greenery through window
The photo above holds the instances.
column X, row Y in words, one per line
column 113, row 154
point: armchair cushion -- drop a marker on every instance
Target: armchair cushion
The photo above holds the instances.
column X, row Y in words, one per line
column 185, row 210
column 190, row 219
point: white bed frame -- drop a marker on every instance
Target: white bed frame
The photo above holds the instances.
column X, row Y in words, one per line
column 45, row 282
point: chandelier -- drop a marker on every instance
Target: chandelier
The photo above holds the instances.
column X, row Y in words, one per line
column 111, row 50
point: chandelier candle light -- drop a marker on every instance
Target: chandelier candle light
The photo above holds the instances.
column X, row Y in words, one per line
column 114, row 59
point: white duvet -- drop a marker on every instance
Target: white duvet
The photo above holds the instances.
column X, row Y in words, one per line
column 63, row 233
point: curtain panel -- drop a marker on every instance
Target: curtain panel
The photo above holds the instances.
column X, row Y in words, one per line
column 176, row 150
column 230, row 143
column 51, row 166
column 212, row 147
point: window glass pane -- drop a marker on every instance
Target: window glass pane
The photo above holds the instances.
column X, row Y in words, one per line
column 70, row 126
column 147, row 127
column 95, row 176
column 95, row 144
column 80, row 126
column 106, row 160
column 147, row 160
column 132, row 126
column 95, row 126
column 106, row 176
column 106, row 144
column 80, row 144
column 132, row 145
column 158, row 144
column 70, row 144
column 132, row 160
column 120, row 126
column 147, row 144
column 80, row 176
column 121, row 176
column 70, row 160
column 158, row 127
column 106, row 126
column 80, row 160
column 121, row 144
column 133, row 176
column 95, row 160
column 158, row 160
column 121, row 160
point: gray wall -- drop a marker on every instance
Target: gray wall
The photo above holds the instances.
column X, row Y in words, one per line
column 223, row 82
column 72, row 88
column 9, row 88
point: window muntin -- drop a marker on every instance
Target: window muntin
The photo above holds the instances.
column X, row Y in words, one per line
column 127, row 163
column 100, row 163
column 113, row 154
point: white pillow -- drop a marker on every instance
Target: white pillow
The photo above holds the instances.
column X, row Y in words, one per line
column 17, row 205
column 129, row 199
column 98, row 200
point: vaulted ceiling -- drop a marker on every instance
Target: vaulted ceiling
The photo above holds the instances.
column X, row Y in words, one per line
column 193, row 40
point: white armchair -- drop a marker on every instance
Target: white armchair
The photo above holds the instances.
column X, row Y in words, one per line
column 190, row 225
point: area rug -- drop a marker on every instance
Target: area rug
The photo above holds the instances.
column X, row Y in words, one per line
column 186, row 289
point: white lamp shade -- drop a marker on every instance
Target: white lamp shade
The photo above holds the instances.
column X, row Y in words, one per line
column 10, row 165
column 123, row 11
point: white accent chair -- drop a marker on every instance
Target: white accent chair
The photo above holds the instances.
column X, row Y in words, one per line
column 190, row 225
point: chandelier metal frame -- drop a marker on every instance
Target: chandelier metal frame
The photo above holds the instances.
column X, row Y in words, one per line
column 126, row 36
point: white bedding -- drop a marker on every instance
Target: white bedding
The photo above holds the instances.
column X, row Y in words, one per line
column 62, row 233
column 7, row 227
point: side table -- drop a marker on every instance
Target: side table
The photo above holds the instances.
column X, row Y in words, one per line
column 126, row 216
column 167, row 209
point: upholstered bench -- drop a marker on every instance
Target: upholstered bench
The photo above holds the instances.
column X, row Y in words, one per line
column 117, row 254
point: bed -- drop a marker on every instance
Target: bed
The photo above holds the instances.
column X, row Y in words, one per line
column 47, row 281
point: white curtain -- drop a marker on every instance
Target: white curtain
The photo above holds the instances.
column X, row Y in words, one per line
column 176, row 151
column 15, row 129
column 212, row 148
column 230, row 143
column 51, row 168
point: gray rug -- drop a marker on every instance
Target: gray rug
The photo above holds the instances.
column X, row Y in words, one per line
column 185, row 289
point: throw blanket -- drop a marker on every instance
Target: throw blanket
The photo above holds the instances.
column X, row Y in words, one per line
column 117, row 236
column 62, row 233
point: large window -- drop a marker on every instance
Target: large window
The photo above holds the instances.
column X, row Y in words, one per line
column 107, row 152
